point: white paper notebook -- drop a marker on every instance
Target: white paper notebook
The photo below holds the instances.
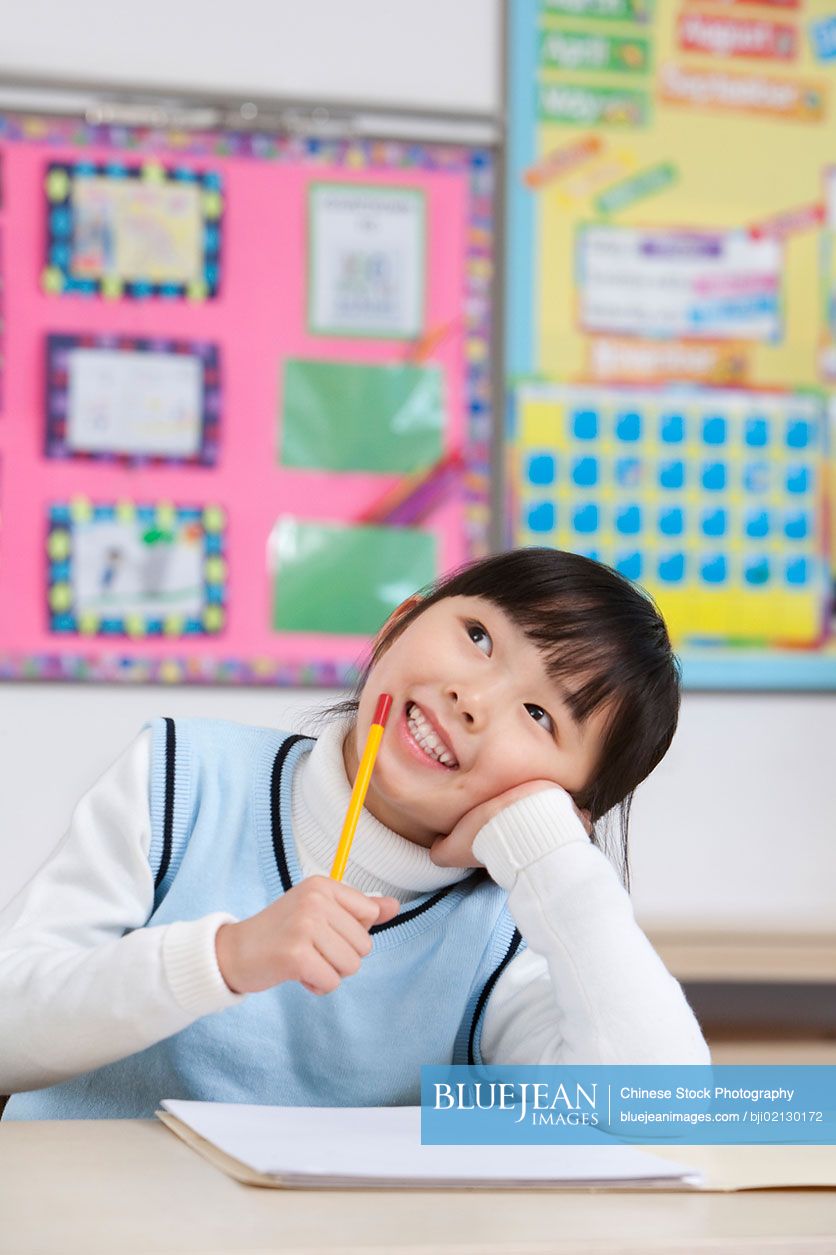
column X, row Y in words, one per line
column 338, row 1147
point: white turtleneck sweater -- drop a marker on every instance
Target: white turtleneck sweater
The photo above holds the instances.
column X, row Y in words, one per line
column 83, row 982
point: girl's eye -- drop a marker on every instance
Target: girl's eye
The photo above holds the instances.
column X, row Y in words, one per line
column 480, row 637
column 540, row 716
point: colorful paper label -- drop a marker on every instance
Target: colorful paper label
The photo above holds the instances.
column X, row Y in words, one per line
column 731, row 37
column 746, row 93
column 645, row 183
column 592, row 106
column 780, row 226
column 560, row 161
column 618, row 10
column 575, row 50
column 582, row 184
column 651, row 361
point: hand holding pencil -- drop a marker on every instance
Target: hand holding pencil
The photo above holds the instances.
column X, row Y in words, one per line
column 317, row 934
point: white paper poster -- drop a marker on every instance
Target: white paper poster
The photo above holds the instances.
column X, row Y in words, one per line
column 367, row 261
column 134, row 403
column 720, row 285
column 136, row 230
column 123, row 569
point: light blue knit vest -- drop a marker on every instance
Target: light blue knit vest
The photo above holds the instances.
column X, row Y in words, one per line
column 221, row 840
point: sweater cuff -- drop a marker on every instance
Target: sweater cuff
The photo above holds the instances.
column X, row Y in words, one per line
column 191, row 965
column 525, row 831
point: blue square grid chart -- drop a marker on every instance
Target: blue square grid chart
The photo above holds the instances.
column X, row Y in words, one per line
column 714, row 500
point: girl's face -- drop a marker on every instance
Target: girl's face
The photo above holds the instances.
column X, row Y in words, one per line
column 474, row 714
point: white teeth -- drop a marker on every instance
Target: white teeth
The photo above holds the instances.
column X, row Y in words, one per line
column 424, row 734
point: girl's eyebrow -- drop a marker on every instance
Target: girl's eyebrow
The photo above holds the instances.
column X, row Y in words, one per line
column 564, row 713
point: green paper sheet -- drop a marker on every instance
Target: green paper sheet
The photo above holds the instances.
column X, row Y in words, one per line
column 347, row 417
column 345, row 580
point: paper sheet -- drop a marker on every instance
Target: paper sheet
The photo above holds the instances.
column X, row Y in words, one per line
column 337, row 578
column 346, row 416
column 367, row 269
column 134, row 403
column 382, row 1145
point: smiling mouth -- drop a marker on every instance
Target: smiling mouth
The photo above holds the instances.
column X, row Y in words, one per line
column 426, row 738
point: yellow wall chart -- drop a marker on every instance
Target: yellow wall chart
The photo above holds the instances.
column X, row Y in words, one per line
column 672, row 315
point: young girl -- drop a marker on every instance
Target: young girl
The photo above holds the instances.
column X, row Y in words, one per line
column 185, row 941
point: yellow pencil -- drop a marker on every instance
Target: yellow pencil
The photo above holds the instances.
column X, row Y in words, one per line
column 361, row 784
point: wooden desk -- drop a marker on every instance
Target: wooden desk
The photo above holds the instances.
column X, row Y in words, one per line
column 717, row 955
column 120, row 1187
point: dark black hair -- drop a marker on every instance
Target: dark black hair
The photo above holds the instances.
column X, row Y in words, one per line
column 602, row 637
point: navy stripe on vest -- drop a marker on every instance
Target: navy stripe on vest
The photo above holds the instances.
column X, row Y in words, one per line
column 275, row 809
column 486, row 991
column 168, row 813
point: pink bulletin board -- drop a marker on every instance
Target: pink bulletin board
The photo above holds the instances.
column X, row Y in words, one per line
column 120, row 560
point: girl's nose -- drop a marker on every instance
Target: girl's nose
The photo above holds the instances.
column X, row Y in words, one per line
column 469, row 705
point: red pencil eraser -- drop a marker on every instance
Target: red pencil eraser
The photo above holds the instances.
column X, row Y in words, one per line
column 384, row 705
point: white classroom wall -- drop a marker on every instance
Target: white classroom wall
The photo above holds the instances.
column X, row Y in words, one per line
column 737, row 827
